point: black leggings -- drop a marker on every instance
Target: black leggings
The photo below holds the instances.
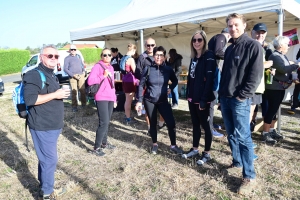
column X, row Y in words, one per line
column 105, row 109
column 200, row 117
column 274, row 98
column 165, row 111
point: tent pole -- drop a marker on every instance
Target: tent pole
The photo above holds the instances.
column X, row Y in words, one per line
column 142, row 40
column 280, row 28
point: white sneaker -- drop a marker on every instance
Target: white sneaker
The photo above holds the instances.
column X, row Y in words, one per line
column 192, row 153
column 217, row 134
column 174, row 106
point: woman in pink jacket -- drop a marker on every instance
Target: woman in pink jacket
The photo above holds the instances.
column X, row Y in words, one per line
column 105, row 99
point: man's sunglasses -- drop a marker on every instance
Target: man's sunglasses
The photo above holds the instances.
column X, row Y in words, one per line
column 198, row 39
column 73, row 49
column 50, row 56
column 104, row 55
column 150, row 45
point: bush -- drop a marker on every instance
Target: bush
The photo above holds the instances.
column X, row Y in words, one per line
column 12, row 60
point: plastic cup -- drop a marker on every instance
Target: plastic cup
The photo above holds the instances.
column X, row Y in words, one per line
column 294, row 76
column 65, row 87
column 139, row 111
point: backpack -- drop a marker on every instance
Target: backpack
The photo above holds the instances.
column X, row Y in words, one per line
column 123, row 63
column 91, row 90
column 18, row 97
column 19, row 103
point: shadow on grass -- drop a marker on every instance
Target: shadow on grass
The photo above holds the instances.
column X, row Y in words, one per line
column 12, row 157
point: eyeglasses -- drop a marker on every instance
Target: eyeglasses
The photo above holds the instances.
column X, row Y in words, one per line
column 150, row 45
column 50, row 56
column 159, row 55
column 104, row 55
column 73, row 49
column 197, row 39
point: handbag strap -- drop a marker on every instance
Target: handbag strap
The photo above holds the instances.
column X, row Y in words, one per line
column 109, row 78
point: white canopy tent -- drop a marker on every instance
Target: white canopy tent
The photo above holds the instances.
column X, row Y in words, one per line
column 172, row 22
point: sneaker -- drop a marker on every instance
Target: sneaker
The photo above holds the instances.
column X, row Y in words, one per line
column 254, row 145
column 268, row 139
column 234, row 170
column 216, row 134
column 108, row 146
column 160, row 127
column 98, row 152
column 247, row 186
column 74, row 109
column 255, row 157
column 127, row 121
column 174, row 106
column 42, row 196
column 275, row 135
column 192, row 153
column 217, row 126
column 292, row 111
column 204, row 158
column 176, row 150
column 154, row 149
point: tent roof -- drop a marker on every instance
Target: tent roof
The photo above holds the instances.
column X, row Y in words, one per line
column 184, row 17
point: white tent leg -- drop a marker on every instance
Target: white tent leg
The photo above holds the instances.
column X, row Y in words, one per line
column 142, row 40
column 280, row 28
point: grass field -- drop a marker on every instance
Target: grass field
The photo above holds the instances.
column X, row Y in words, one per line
column 131, row 172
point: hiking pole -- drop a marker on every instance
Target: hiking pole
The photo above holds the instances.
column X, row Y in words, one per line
column 26, row 137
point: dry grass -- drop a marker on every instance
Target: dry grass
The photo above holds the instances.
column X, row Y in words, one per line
column 131, row 172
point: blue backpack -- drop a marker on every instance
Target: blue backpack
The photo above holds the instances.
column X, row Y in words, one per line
column 18, row 97
column 123, row 63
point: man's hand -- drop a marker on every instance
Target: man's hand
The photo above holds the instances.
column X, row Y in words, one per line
column 138, row 105
column 62, row 93
column 268, row 64
column 169, row 91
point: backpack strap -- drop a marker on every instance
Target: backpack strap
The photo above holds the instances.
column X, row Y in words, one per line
column 43, row 78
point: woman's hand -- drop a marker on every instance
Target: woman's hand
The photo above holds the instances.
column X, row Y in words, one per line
column 106, row 73
column 138, row 105
column 201, row 108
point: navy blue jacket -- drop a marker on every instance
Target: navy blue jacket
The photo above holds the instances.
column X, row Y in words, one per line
column 242, row 69
column 143, row 61
column 156, row 83
column 204, row 79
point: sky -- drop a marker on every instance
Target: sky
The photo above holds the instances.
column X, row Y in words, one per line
column 33, row 23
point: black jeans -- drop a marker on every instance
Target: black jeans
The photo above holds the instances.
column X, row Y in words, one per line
column 274, row 98
column 295, row 96
column 165, row 111
column 105, row 109
column 200, row 117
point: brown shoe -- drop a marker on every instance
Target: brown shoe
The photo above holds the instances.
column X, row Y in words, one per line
column 247, row 186
column 233, row 170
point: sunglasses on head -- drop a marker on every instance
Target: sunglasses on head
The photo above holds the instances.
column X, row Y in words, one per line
column 104, row 55
column 197, row 39
column 150, row 45
column 73, row 49
column 50, row 56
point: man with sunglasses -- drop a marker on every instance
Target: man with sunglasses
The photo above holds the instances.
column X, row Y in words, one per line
column 45, row 117
column 241, row 74
column 73, row 66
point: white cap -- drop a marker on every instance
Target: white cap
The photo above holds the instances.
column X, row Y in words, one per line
column 73, row 46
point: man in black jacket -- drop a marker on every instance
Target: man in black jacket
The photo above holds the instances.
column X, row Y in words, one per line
column 45, row 117
column 241, row 74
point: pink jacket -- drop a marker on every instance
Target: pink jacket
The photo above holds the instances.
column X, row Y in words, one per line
column 105, row 92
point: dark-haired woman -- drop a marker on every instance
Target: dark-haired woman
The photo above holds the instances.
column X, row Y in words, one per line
column 156, row 97
column 200, row 93
column 175, row 62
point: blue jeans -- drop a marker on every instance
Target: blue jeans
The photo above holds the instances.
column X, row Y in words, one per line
column 45, row 145
column 236, row 116
column 175, row 95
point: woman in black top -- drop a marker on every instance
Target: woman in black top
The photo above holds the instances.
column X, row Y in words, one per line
column 175, row 63
column 156, row 96
column 200, row 93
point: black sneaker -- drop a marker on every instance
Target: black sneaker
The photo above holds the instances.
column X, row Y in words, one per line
column 108, row 146
column 204, row 158
column 268, row 139
column 275, row 135
column 98, row 152
column 161, row 127
column 176, row 150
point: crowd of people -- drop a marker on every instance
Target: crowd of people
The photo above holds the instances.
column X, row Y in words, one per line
column 232, row 70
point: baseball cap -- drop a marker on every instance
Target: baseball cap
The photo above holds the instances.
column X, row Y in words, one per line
column 225, row 30
column 260, row 27
column 73, row 46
